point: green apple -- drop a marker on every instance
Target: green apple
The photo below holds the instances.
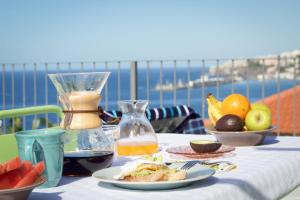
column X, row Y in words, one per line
column 257, row 120
column 260, row 106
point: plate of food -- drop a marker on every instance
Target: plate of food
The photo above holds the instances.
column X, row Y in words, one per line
column 152, row 176
column 238, row 122
column 18, row 178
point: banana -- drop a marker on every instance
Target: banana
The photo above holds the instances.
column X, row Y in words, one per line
column 214, row 100
column 214, row 108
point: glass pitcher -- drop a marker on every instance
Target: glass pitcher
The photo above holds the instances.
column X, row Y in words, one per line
column 137, row 136
column 79, row 94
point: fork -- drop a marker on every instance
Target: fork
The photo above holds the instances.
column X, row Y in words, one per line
column 188, row 165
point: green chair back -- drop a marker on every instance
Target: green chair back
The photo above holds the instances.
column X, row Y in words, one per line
column 8, row 147
column 8, row 143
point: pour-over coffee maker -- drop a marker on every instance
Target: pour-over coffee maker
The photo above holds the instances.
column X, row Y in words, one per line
column 87, row 148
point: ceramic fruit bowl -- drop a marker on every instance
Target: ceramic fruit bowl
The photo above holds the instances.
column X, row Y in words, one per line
column 20, row 193
column 241, row 138
column 204, row 146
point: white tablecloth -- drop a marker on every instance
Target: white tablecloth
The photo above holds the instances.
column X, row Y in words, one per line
column 263, row 172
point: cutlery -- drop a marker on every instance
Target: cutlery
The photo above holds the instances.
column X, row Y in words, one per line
column 188, row 165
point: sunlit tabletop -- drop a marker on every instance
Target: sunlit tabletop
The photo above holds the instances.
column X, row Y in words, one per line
column 263, row 172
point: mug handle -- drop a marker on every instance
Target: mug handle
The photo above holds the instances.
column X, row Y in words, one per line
column 38, row 152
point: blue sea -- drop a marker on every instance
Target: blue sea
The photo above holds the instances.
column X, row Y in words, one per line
column 19, row 80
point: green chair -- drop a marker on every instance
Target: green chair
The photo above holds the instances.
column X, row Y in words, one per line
column 8, row 144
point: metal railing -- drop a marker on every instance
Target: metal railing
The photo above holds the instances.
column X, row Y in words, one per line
column 163, row 82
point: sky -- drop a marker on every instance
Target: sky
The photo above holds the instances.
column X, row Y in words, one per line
column 97, row 30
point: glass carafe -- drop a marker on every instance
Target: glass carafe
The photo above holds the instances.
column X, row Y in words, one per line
column 137, row 136
column 79, row 94
column 87, row 148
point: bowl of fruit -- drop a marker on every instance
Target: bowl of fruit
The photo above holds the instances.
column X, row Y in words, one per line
column 18, row 178
column 237, row 122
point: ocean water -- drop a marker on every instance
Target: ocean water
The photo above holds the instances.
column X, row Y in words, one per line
column 19, row 81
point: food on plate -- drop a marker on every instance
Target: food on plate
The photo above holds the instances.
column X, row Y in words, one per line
column 204, row 146
column 236, row 114
column 257, row 120
column 151, row 172
column 10, row 179
column 23, row 175
column 153, row 158
column 10, row 165
column 31, row 176
column 235, row 104
column 230, row 123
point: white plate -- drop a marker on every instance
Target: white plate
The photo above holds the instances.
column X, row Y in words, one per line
column 194, row 174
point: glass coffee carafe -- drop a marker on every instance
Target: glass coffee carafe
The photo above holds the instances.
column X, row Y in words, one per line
column 137, row 136
column 87, row 148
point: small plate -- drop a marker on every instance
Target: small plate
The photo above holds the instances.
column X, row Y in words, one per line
column 185, row 152
column 20, row 193
column 196, row 173
column 241, row 138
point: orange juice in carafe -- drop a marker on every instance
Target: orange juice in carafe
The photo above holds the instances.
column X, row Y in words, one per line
column 137, row 136
column 134, row 148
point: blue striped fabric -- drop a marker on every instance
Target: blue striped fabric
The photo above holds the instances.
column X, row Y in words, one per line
column 193, row 123
column 160, row 113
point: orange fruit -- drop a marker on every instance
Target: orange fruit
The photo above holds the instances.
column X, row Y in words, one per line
column 236, row 104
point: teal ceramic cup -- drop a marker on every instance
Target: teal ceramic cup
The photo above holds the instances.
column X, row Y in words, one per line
column 43, row 145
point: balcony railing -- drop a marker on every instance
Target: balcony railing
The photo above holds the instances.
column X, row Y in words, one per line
column 163, row 82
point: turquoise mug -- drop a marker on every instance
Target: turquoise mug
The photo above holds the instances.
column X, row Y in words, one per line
column 43, row 145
